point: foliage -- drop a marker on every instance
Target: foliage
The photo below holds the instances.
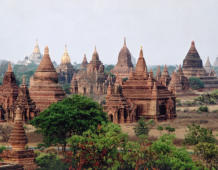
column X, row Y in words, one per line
column 98, row 148
column 196, row 134
column 50, row 162
column 125, row 79
column 170, row 129
column 143, row 127
column 166, row 156
column 26, row 70
column 66, row 87
column 195, row 83
column 203, row 109
column 160, row 128
column 208, row 152
column 5, row 132
column 72, row 115
column 206, row 99
column 108, row 68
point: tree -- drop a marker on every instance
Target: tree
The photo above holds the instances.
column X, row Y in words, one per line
column 208, row 152
column 195, row 83
column 98, row 148
column 197, row 134
column 73, row 115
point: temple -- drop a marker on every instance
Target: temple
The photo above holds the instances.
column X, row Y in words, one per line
column 65, row 70
column 193, row 67
column 8, row 94
column 165, row 76
column 35, row 57
column 139, row 96
column 179, row 83
column 91, row 79
column 44, row 88
column 19, row 155
column 124, row 65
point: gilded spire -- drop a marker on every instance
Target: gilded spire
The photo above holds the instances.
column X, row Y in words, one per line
column 36, row 48
column 65, row 58
column 9, row 67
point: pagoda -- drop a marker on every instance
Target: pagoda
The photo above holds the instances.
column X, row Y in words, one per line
column 124, row 65
column 65, row 70
column 139, row 96
column 193, row 67
column 44, row 88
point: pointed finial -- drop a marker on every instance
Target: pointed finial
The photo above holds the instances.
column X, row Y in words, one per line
column 193, row 43
column 9, row 67
column 95, row 50
column 141, row 53
column 46, row 50
column 18, row 116
column 24, row 80
column 124, row 41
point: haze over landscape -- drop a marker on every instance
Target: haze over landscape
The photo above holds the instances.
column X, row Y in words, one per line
column 164, row 28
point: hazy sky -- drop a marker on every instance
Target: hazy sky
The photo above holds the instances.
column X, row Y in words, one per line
column 164, row 28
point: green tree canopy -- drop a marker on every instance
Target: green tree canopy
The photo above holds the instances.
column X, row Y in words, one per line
column 195, row 83
column 73, row 115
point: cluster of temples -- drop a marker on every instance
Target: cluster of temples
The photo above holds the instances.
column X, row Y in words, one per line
column 44, row 90
column 127, row 92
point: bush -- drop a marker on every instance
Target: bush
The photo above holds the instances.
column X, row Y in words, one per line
column 142, row 128
column 195, row 83
column 50, row 162
column 5, row 132
column 197, row 134
column 203, row 109
column 170, row 129
column 208, row 152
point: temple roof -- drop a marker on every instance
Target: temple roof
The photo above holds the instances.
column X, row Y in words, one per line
column 65, row 58
column 46, row 63
column 84, row 62
column 208, row 64
column 192, row 58
column 95, row 55
column 141, row 65
column 124, row 58
column 9, row 77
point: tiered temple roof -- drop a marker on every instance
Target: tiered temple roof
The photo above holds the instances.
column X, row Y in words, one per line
column 145, row 97
column 124, row 65
column 44, row 87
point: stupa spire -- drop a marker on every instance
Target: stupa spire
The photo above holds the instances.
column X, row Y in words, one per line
column 9, row 67
column 124, row 44
column 46, row 63
column 141, row 66
column 65, row 58
column 95, row 55
column 36, row 48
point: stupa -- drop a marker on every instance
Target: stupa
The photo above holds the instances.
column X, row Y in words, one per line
column 124, row 65
column 18, row 140
column 65, row 70
column 139, row 96
column 193, row 67
column 165, row 76
column 44, row 88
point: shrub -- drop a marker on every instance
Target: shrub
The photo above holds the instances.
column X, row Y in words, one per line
column 208, row 152
column 50, row 162
column 203, row 109
column 195, row 83
column 170, row 129
column 197, row 134
column 5, row 132
column 142, row 128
